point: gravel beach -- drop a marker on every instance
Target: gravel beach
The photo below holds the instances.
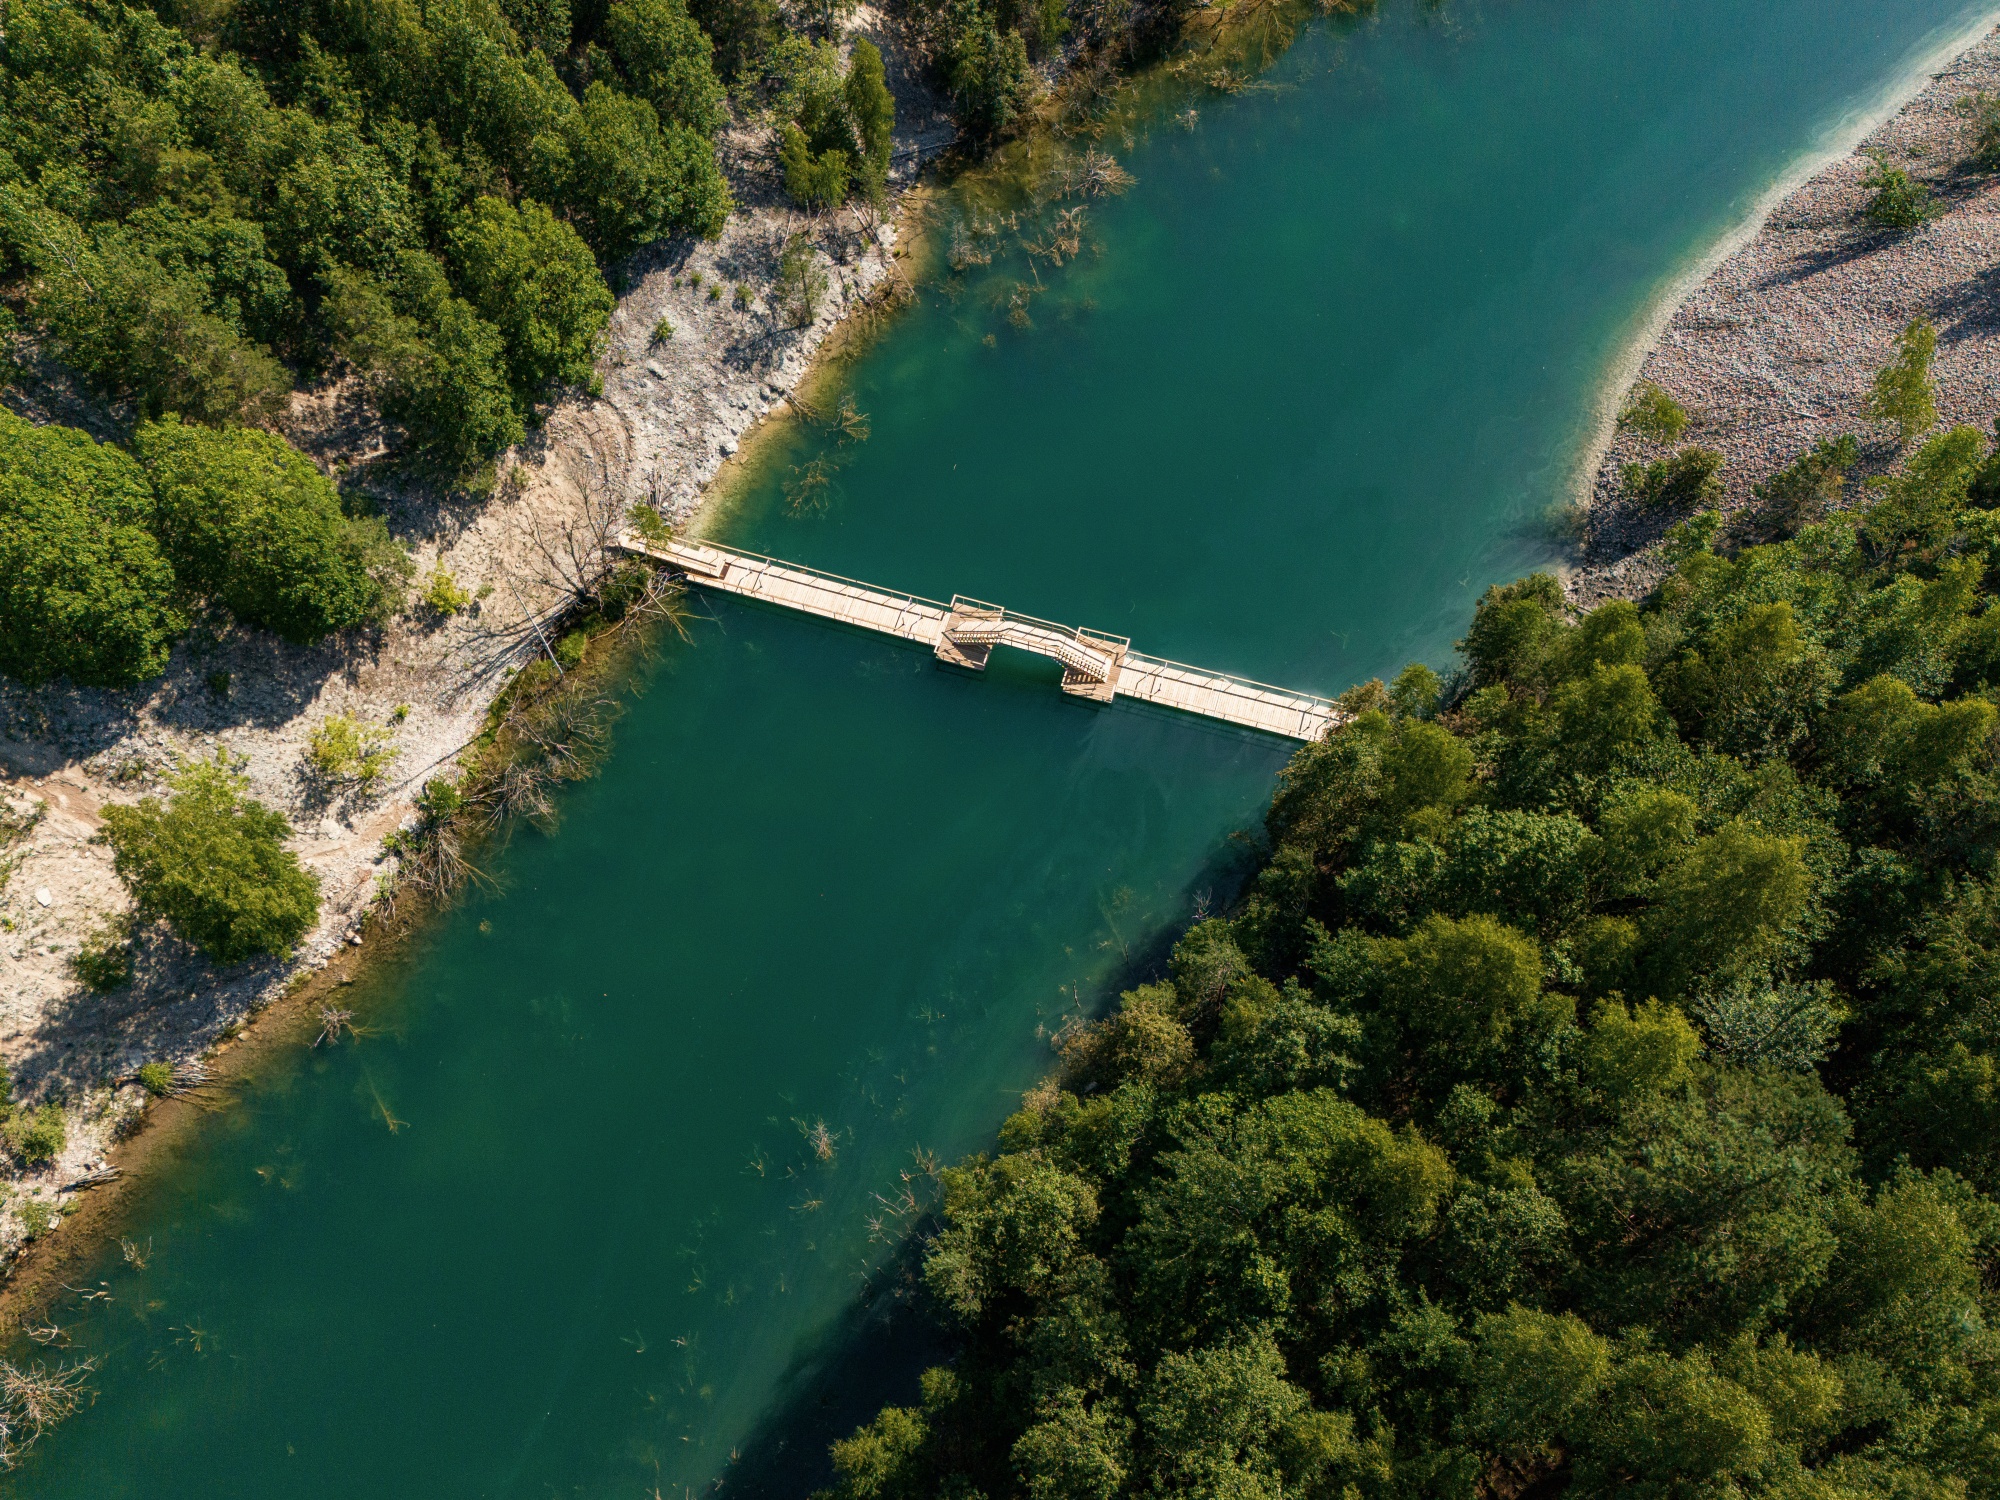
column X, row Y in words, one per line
column 1778, row 346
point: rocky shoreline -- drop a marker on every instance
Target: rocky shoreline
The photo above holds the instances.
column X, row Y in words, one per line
column 1777, row 347
column 671, row 412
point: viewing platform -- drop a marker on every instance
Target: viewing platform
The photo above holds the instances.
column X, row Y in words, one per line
column 964, row 632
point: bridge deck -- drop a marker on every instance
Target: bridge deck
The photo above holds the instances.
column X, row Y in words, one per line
column 964, row 631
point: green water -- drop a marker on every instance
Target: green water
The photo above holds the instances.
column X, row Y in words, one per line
column 553, row 1226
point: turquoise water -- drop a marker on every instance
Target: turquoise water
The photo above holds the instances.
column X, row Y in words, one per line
column 554, row 1225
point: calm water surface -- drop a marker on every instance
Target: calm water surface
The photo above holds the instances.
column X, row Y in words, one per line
column 553, row 1225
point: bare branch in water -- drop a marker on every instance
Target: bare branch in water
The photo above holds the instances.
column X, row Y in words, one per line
column 333, row 1021
column 1095, row 174
column 33, row 1398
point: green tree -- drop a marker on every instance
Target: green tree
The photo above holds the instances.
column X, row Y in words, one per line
column 1632, row 1053
column 530, row 276
column 985, row 69
column 212, row 862
column 1812, row 483
column 135, row 326
column 249, row 521
column 1904, row 392
column 1514, row 632
column 442, row 369
column 669, row 61
column 1213, row 1417
column 634, row 180
column 815, row 181
column 1727, row 903
column 746, row 32
column 541, row 25
column 1537, row 1373
column 801, row 282
column 1075, row 1450
column 84, row 591
column 873, row 110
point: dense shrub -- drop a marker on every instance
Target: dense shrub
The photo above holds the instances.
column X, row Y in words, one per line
column 1896, row 200
column 1984, row 110
column 1654, row 414
column 249, row 521
column 84, row 591
column 1594, row 1092
column 213, row 863
column 36, row 1137
column 104, row 961
column 1682, row 481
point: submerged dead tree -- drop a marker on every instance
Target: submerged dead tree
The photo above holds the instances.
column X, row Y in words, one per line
column 34, row 1398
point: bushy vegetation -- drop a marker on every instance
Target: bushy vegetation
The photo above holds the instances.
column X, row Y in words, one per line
column 1984, row 112
column 36, row 1137
column 1811, row 484
column 1896, row 200
column 104, row 961
column 441, row 595
column 801, row 282
column 212, row 862
column 1682, row 481
column 1595, row 1090
column 345, row 753
column 1654, row 414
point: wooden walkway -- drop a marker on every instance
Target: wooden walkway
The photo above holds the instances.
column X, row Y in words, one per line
column 964, row 632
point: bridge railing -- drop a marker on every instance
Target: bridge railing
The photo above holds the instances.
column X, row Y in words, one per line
column 1104, row 640
column 839, row 582
column 1247, row 687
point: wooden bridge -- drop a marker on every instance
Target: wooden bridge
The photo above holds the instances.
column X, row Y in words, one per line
column 964, row 632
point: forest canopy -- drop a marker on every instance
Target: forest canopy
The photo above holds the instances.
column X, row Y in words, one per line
column 203, row 205
column 1595, row 1089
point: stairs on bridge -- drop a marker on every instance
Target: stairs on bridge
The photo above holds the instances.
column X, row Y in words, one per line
column 964, row 632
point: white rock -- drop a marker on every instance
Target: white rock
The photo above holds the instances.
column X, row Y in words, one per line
column 43, row 897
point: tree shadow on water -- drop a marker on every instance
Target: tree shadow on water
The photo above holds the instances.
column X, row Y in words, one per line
column 869, row 1359
column 873, row 1354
